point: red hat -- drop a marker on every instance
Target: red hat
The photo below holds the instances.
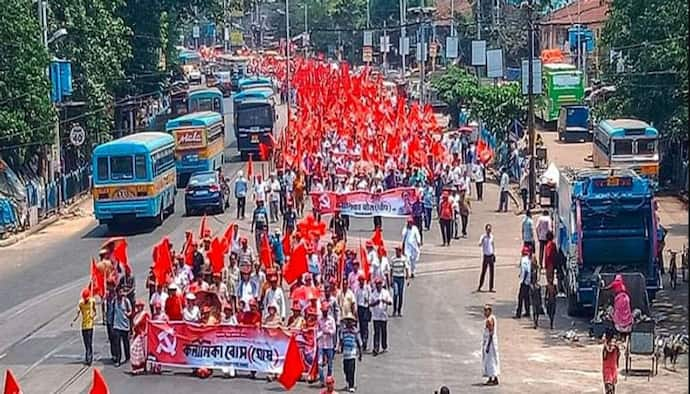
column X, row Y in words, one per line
column 243, row 240
column 330, row 380
column 245, row 269
column 252, row 302
column 410, row 220
column 325, row 306
column 361, row 276
column 296, row 306
column 311, row 311
column 526, row 250
column 85, row 293
column 156, row 303
column 378, row 280
column 271, row 274
column 369, row 244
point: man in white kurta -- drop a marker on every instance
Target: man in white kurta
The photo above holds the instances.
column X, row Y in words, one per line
column 412, row 244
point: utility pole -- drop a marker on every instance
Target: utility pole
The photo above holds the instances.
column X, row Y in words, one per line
column 422, row 69
column 305, row 39
column 479, row 19
column 55, row 163
column 452, row 18
column 530, row 103
column 403, row 11
column 287, row 63
column 368, row 16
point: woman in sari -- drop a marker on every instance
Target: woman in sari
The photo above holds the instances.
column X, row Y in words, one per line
column 622, row 314
column 138, row 346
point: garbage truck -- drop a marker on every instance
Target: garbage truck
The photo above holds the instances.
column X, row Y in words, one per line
column 604, row 223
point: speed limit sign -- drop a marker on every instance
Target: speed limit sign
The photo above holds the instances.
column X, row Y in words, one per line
column 77, row 135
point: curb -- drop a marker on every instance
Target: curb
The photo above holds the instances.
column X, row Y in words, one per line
column 41, row 225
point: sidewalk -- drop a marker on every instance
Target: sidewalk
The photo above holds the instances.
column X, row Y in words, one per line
column 80, row 203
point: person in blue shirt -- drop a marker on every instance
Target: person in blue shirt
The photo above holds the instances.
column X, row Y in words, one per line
column 259, row 223
column 428, row 203
column 528, row 230
column 277, row 247
column 240, row 194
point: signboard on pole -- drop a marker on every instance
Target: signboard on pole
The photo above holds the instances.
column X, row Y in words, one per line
column 367, row 54
column 195, row 32
column 536, row 76
column 452, row 47
column 77, row 135
column 404, row 46
column 368, row 41
column 494, row 63
column 479, row 53
column 422, row 51
column 385, row 44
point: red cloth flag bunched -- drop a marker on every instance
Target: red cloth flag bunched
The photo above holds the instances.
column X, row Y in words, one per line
column 297, row 265
column 97, row 280
column 204, row 229
column 120, row 254
column 98, row 385
column 265, row 253
column 162, row 263
column 11, row 383
column 293, row 366
column 364, row 262
column 250, row 168
column 215, row 255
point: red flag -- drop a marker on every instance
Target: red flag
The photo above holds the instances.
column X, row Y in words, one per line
column 228, row 235
column 97, row 280
column 12, row 385
column 364, row 262
column 98, row 385
column 162, row 263
column 265, row 254
column 293, row 366
column 250, row 168
column 297, row 265
column 215, row 255
column 377, row 238
column 120, row 254
column 204, row 229
column 287, row 244
column 188, row 248
column 263, row 151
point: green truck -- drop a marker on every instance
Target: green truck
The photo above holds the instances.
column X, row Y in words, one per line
column 562, row 85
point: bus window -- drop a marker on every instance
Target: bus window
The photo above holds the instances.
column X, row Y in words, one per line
column 140, row 166
column 646, row 146
column 102, row 169
column 622, row 147
column 216, row 105
column 121, row 167
column 203, row 104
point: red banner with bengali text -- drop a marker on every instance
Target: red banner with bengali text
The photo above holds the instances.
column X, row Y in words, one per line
column 391, row 203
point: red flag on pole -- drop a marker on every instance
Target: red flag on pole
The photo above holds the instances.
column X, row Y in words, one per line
column 188, row 248
column 297, row 265
column 228, row 235
column 287, row 244
column 265, row 253
column 120, row 254
column 215, row 255
column 204, row 229
column 98, row 385
column 263, row 151
column 97, row 280
column 364, row 262
column 377, row 238
column 162, row 263
column 293, row 366
column 11, row 383
column 250, row 168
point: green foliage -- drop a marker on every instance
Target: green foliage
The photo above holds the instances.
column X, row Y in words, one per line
column 97, row 46
column 495, row 105
column 26, row 113
column 652, row 36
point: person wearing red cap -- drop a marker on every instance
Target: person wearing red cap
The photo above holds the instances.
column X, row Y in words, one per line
column 325, row 334
column 525, row 276
column 380, row 300
column 330, row 386
column 274, row 295
column 296, row 320
column 622, row 316
column 246, row 288
column 87, row 310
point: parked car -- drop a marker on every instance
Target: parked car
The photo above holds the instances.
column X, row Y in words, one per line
column 205, row 191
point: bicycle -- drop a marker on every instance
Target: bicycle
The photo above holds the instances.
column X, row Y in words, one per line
column 673, row 268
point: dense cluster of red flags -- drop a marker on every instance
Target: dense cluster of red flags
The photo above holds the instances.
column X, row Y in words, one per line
column 98, row 384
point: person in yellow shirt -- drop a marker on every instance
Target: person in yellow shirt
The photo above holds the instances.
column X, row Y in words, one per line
column 87, row 310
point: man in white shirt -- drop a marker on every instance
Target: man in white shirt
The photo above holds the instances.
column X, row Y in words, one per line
column 191, row 312
column 379, row 302
column 544, row 225
column 503, row 187
column 274, row 199
column 488, row 258
column 412, row 244
column 478, row 177
column 372, row 254
column 525, row 275
column 362, row 296
column 274, row 294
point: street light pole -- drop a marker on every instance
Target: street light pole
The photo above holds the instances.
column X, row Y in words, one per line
column 55, row 164
column 402, row 47
column 530, row 104
column 287, row 61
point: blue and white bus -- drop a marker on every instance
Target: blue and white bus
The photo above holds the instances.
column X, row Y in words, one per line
column 134, row 178
column 199, row 143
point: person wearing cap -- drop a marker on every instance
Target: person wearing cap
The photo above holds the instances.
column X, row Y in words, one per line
column 274, row 197
column 231, row 276
column 191, row 312
column 491, row 366
column 412, row 244
column 325, row 333
column 160, row 296
column 352, row 277
column 330, row 386
column 220, row 288
column 528, row 230
column 351, row 348
column 399, row 275
column 362, row 296
column 259, row 223
column 157, row 312
column 175, row 303
column 138, row 344
column 379, row 302
column 199, row 284
column 296, row 320
column 241, row 187
column 272, row 319
column 276, row 244
column 525, row 275
column 87, row 310
column 121, row 327
column 372, row 254
column 275, row 295
column 246, row 288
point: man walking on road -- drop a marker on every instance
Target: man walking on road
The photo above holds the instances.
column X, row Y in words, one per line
column 362, row 296
column 445, row 217
column 503, row 185
column 525, row 281
column 240, row 193
column 400, row 273
column 412, row 244
column 123, row 309
column 87, row 310
column 488, row 258
column 259, row 223
column 544, row 225
column 528, row 231
column 380, row 300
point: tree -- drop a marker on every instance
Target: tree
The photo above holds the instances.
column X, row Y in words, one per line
column 97, row 46
column 26, row 113
column 652, row 38
column 496, row 106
